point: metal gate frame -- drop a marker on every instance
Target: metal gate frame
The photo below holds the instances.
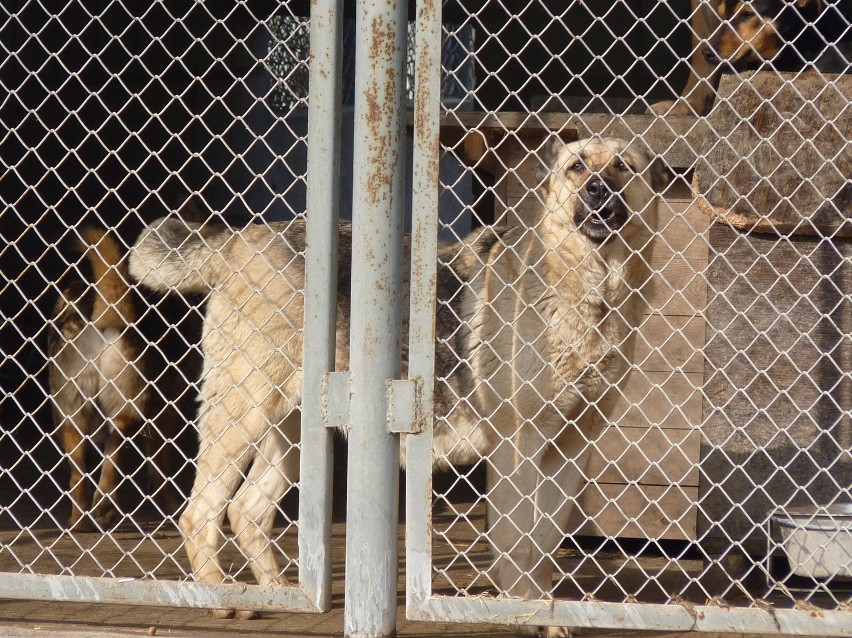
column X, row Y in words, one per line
column 313, row 593
column 421, row 603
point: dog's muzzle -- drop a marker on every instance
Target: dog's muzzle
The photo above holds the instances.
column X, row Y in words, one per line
column 728, row 66
column 603, row 211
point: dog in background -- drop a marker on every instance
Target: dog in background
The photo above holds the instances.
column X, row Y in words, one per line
column 98, row 383
column 537, row 360
column 784, row 35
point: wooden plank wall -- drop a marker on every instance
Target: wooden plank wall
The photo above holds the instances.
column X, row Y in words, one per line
column 644, row 469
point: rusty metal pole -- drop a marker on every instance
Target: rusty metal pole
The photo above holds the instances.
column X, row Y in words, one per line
column 377, row 218
column 323, row 201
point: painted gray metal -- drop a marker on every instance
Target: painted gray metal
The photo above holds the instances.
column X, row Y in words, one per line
column 136, row 591
column 405, row 406
column 377, row 228
column 324, row 112
column 672, row 617
column 424, row 250
column 335, row 398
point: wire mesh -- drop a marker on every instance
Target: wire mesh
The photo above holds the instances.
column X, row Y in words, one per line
column 733, row 426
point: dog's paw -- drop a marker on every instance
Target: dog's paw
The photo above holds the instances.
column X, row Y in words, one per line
column 81, row 524
column 234, row 614
column 105, row 516
column 672, row 107
column 554, row 632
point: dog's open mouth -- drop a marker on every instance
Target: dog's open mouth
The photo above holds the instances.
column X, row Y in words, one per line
column 600, row 223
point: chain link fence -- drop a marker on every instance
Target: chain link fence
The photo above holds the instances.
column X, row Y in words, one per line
column 719, row 477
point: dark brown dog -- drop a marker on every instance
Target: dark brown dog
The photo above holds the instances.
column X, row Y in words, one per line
column 97, row 381
column 781, row 34
column 777, row 34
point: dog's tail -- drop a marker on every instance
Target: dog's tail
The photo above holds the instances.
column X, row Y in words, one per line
column 175, row 255
column 113, row 304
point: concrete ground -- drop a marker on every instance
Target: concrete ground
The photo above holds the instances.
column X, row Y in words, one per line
column 44, row 547
column 38, row 619
column 66, row 620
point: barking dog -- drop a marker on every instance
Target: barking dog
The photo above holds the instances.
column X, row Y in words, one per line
column 535, row 332
column 96, row 381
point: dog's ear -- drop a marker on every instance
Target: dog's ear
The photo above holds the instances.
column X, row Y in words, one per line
column 660, row 174
column 547, row 155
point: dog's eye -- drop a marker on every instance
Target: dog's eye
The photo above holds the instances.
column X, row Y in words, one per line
column 621, row 166
column 745, row 14
column 577, row 167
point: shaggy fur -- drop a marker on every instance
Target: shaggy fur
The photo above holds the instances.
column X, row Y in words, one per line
column 534, row 335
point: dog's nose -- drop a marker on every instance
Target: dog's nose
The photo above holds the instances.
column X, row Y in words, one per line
column 598, row 192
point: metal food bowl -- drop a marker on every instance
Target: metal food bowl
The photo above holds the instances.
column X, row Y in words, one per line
column 817, row 540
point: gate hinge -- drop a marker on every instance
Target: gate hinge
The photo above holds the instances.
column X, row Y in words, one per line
column 405, row 406
column 335, row 398
column 405, row 413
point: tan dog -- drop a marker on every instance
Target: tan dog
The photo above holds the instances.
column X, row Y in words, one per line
column 98, row 390
column 534, row 326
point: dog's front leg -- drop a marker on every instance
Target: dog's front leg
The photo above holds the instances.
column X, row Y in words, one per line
column 518, row 524
column 514, row 478
column 533, row 483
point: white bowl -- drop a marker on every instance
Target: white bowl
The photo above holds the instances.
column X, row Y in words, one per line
column 818, row 540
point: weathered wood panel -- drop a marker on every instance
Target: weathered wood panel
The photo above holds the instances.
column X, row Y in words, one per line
column 777, row 429
column 634, row 511
column 645, row 455
column 670, row 400
column 670, row 342
column 781, row 155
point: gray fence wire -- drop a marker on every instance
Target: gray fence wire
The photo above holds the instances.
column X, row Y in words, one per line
column 715, row 496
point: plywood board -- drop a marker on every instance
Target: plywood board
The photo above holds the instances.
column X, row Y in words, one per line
column 647, row 456
column 671, row 400
column 777, row 388
column 636, row 511
column 781, row 168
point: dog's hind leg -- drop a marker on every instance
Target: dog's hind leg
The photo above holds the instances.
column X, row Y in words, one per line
column 103, row 504
column 226, row 449
column 252, row 511
column 74, row 444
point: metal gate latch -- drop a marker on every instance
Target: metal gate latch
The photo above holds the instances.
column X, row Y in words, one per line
column 405, row 406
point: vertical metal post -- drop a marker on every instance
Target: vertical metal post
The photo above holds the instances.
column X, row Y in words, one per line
column 377, row 215
column 326, row 28
column 421, row 337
